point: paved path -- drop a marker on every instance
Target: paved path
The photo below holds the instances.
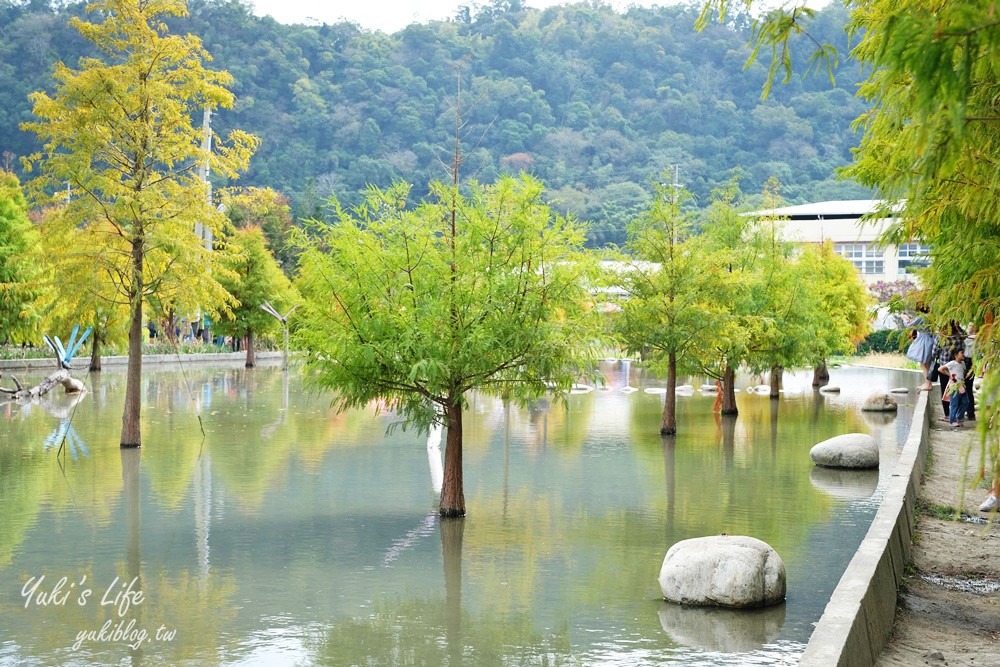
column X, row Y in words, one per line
column 948, row 611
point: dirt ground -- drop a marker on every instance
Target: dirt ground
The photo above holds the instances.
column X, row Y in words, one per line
column 948, row 611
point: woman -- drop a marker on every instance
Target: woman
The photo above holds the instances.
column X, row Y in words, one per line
column 921, row 350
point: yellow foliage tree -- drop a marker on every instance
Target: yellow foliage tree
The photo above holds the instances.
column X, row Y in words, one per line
column 117, row 133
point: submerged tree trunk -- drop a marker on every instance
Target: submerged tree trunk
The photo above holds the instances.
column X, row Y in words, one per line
column 729, row 391
column 451, row 556
column 95, row 352
column 131, row 415
column 668, row 423
column 776, row 373
column 821, row 375
column 452, row 492
column 251, row 357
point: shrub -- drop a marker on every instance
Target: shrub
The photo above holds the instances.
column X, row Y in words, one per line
column 884, row 340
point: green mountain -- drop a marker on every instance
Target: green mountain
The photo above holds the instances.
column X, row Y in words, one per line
column 594, row 102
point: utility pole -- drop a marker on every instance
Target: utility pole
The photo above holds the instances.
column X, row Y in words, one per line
column 201, row 230
column 676, row 196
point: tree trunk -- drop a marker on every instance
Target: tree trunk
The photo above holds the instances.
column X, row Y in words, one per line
column 95, row 353
column 452, row 493
column 668, row 424
column 776, row 373
column 171, row 327
column 729, row 391
column 820, row 374
column 131, row 415
column 251, row 357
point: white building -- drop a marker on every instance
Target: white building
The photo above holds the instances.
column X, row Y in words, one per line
column 840, row 222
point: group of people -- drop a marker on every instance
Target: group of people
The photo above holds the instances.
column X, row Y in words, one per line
column 949, row 358
column 197, row 330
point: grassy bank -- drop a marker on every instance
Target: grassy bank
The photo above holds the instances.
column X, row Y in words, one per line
column 881, row 360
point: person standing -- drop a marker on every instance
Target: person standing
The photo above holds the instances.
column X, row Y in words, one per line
column 921, row 350
column 951, row 340
column 970, row 371
column 992, row 501
column 954, row 392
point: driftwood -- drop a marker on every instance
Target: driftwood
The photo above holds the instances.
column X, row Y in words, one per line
column 70, row 384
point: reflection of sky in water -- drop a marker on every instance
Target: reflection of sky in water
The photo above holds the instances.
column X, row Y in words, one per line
column 291, row 534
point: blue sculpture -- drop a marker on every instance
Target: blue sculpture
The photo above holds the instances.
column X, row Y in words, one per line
column 66, row 354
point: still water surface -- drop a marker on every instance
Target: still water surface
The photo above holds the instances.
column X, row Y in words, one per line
column 290, row 534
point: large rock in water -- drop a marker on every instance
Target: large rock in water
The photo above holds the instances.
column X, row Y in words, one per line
column 723, row 571
column 851, row 450
column 879, row 402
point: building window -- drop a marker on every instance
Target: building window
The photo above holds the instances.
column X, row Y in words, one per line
column 913, row 256
column 866, row 258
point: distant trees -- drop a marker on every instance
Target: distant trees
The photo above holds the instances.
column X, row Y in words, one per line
column 737, row 294
column 842, row 303
column 591, row 101
column 268, row 210
column 672, row 306
column 417, row 306
column 118, row 139
column 786, row 311
column 738, row 245
column 251, row 276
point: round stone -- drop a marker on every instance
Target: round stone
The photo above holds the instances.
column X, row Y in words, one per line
column 723, row 571
column 851, row 450
column 879, row 402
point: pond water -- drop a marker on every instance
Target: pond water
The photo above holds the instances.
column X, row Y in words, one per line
column 290, row 534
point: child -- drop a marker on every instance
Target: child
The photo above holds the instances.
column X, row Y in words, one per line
column 955, row 391
column 970, row 372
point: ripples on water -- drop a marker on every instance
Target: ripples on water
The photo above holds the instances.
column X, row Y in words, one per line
column 291, row 534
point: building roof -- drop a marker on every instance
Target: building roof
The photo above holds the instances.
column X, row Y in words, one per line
column 826, row 210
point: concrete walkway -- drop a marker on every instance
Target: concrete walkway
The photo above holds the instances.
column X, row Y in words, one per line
column 948, row 610
column 923, row 588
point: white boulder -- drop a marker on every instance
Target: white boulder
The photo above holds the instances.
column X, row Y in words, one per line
column 723, row 571
column 879, row 402
column 851, row 450
column 830, row 389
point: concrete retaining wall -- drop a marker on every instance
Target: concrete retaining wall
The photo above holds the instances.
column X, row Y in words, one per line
column 263, row 358
column 856, row 623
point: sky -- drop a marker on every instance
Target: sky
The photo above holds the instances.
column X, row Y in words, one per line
column 388, row 15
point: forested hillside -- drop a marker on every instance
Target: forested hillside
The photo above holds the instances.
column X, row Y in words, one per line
column 593, row 102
